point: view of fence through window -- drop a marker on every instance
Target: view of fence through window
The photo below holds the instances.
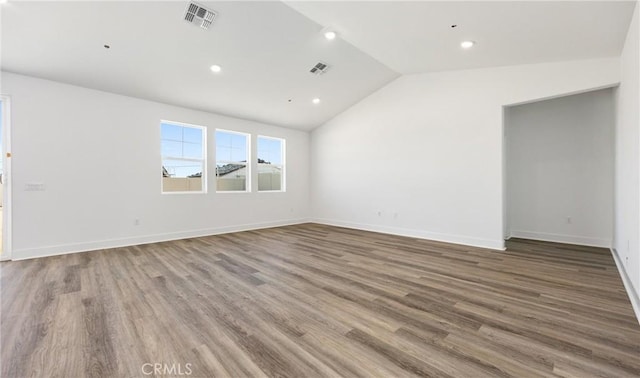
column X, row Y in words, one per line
column 183, row 157
column 183, row 149
column 232, row 171
column 270, row 164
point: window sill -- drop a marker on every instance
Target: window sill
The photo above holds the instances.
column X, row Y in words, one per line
column 189, row 192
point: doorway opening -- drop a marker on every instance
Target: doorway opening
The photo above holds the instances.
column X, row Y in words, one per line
column 559, row 168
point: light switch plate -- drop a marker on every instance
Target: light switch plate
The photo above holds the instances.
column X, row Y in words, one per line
column 34, row 187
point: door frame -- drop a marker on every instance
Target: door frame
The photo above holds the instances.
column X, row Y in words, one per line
column 5, row 102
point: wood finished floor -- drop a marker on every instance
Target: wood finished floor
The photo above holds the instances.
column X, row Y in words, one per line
column 319, row 301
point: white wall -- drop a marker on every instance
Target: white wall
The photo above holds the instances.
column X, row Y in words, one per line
column 423, row 155
column 98, row 155
column 627, row 186
column 560, row 169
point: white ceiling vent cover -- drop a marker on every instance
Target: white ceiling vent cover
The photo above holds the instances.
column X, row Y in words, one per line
column 319, row 68
column 199, row 15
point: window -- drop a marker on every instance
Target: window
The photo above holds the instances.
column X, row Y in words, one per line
column 183, row 157
column 271, row 164
column 232, row 154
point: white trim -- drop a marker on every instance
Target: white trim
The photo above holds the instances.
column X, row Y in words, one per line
column 168, row 157
column 504, row 173
column 184, row 124
column 565, row 94
column 7, row 245
column 633, row 295
column 560, row 238
column 446, row 238
column 183, row 192
column 55, row 250
column 231, row 162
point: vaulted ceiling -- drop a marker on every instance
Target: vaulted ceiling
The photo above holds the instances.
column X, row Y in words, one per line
column 265, row 49
column 422, row 36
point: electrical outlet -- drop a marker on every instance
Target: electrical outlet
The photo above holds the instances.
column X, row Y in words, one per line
column 136, row 222
column 568, row 220
column 379, row 213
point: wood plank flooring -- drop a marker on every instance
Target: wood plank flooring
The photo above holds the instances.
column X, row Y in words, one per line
column 318, row 301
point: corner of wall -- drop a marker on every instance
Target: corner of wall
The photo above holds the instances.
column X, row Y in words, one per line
column 634, row 298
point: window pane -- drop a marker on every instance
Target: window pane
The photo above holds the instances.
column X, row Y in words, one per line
column 192, row 135
column 183, row 163
column 269, row 177
column 275, row 151
column 181, row 176
column 171, row 132
column 270, row 164
column 191, row 150
column 238, row 154
column 238, row 141
column 223, row 154
column 231, row 162
column 270, row 150
column 223, row 139
column 171, row 148
column 231, row 177
column 182, row 168
column 263, row 146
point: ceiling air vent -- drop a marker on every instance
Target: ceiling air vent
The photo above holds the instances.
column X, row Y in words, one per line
column 319, row 68
column 199, row 15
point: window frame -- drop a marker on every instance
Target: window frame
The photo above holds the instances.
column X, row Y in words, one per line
column 203, row 129
column 248, row 186
column 283, row 156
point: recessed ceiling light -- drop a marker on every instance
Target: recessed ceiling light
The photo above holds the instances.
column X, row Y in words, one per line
column 4, row 1
column 330, row 35
column 467, row 44
column 316, row 101
column 215, row 68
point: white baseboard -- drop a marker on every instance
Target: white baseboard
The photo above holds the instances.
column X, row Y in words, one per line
column 631, row 292
column 30, row 253
column 447, row 238
column 559, row 238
